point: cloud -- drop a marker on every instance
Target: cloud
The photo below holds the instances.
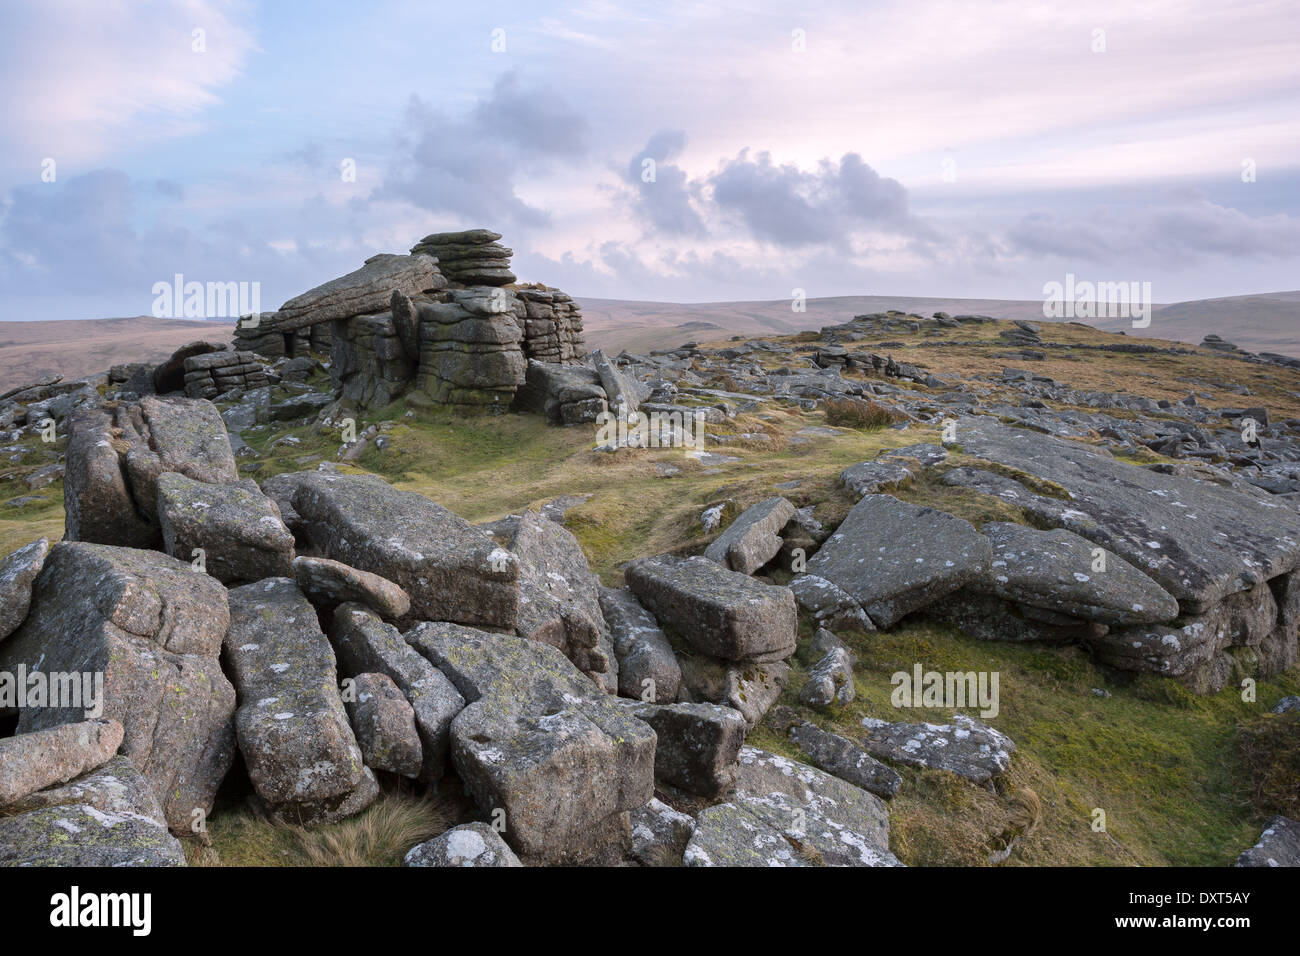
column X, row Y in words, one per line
column 664, row 202
column 788, row 206
column 470, row 166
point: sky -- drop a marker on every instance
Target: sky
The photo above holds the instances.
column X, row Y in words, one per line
column 680, row 152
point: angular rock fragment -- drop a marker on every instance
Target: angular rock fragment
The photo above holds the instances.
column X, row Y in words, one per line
column 540, row 742
column 844, row 759
column 471, row 844
column 750, row 687
column 17, row 573
column 873, row 477
column 660, row 834
column 331, row 583
column 721, row 613
column 829, row 605
column 384, row 724
column 647, row 666
column 830, row 681
column 753, row 539
column 236, row 527
column 697, row 744
column 1279, row 845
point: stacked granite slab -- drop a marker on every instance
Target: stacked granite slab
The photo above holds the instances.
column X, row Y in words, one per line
column 366, row 291
column 369, row 363
column 214, row 373
column 472, row 257
column 470, row 347
column 552, row 325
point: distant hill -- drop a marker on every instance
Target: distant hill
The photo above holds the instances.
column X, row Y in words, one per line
column 31, row 350
column 1266, row 322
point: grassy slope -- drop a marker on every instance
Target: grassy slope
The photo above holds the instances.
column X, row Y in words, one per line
column 1163, row 765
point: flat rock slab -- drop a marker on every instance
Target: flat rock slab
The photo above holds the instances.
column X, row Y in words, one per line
column 785, row 813
column 237, row 528
column 1199, row 541
column 452, row 571
column 697, row 744
column 754, row 538
column 43, row 758
column 873, row 477
column 893, row 557
column 540, row 741
column 1057, row 570
column 1279, row 845
column 842, row 758
column 106, row 818
column 331, row 583
column 647, row 665
column 17, row 572
column 362, row 292
column 292, row 728
column 153, row 627
column 472, row 844
column 367, row 644
column 719, row 612
column 966, row 746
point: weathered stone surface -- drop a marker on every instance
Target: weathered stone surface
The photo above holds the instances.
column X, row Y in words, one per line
column 109, row 817
column 830, row 681
column 43, row 758
column 893, row 557
column 966, row 746
column 301, row 755
column 540, row 741
column 471, row 844
column 237, row 527
column 619, row 392
column 1199, row 541
column 660, row 834
column 719, row 612
column 829, row 605
column 331, row 583
column 365, row 643
column 642, row 649
column 565, row 394
column 153, row 627
column 384, row 724
column 1055, row 570
column 750, row 687
column 17, row 573
column 451, row 571
column 170, row 375
column 97, row 500
column 697, row 743
column 844, row 759
column 873, row 477
column 753, row 539
column 1279, row 845
column 559, row 596
column 366, row 290
column 786, row 813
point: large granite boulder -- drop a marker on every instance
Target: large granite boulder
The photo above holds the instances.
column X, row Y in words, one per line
column 384, row 723
column 721, row 613
column 43, row 758
column 754, row 538
column 153, row 627
column 893, row 557
column 471, row 844
column 293, row 732
column 450, row 570
column 966, row 747
column 647, row 666
column 697, row 744
column 331, row 583
column 237, row 528
column 564, row 394
column 540, row 742
column 364, row 291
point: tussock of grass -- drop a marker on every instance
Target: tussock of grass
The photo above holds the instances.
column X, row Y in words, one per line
column 858, row 413
column 1269, row 745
